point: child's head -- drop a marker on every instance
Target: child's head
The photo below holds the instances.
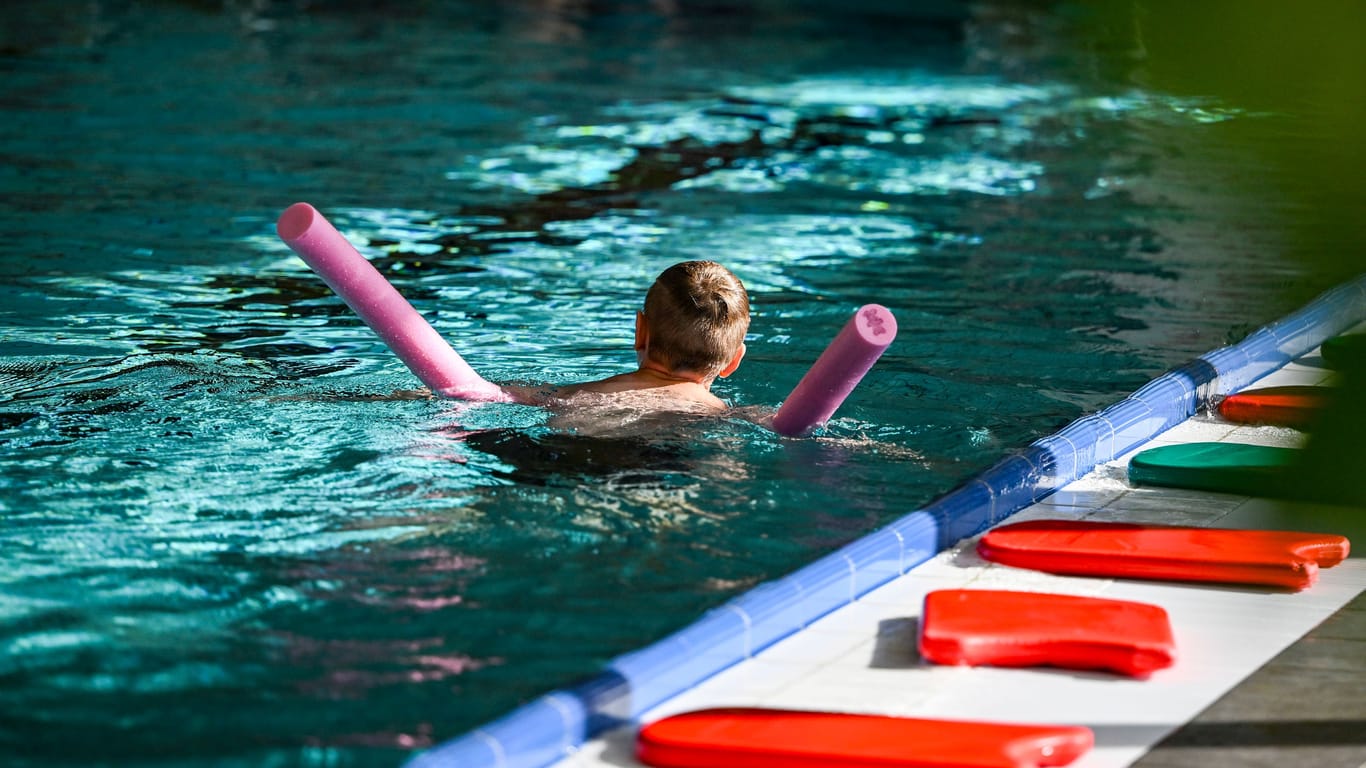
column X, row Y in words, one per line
column 697, row 314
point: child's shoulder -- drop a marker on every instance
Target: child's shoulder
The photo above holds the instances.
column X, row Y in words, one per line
column 670, row 398
column 634, row 391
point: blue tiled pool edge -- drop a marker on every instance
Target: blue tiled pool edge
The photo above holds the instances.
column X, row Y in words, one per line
column 547, row 729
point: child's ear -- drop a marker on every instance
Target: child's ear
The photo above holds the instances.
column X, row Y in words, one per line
column 642, row 332
column 734, row 362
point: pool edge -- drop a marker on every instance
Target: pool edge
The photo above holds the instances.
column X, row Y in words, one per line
column 552, row 726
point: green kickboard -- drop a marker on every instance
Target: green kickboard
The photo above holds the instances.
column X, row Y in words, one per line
column 1340, row 352
column 1237, row 468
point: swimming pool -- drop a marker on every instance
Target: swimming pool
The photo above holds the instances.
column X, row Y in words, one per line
column 222, row 549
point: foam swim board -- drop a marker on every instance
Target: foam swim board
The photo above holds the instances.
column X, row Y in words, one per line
column 780, row 738
column 977, row 627
column 1237, row 468
column 1285, row 559
column 1288, row 406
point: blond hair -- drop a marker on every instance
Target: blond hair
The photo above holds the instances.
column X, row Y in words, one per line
column 698, row 314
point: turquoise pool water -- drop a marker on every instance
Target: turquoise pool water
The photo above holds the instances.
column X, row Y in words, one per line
column 221, row 547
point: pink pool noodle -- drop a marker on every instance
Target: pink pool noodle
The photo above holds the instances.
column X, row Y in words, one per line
column 840, row 367
column 381, row 306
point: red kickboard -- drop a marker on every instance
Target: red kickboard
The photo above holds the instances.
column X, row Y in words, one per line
column 781, row 738
column 1293, row 406
column 1284, row 559
column 976, row 627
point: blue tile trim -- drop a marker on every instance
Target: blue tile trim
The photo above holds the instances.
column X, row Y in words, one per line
column 549, row 728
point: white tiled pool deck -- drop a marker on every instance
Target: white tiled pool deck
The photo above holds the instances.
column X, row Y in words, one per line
column 863, row 658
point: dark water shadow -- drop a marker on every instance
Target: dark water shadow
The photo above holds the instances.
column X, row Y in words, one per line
column 556, row 458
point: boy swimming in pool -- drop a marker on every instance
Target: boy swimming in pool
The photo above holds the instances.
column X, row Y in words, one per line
column 690, row 333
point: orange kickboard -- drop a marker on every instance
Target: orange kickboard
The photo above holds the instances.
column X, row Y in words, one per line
column 1286, row 559
column 1292, row 406
column 1002, row 628
column 781, row 738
